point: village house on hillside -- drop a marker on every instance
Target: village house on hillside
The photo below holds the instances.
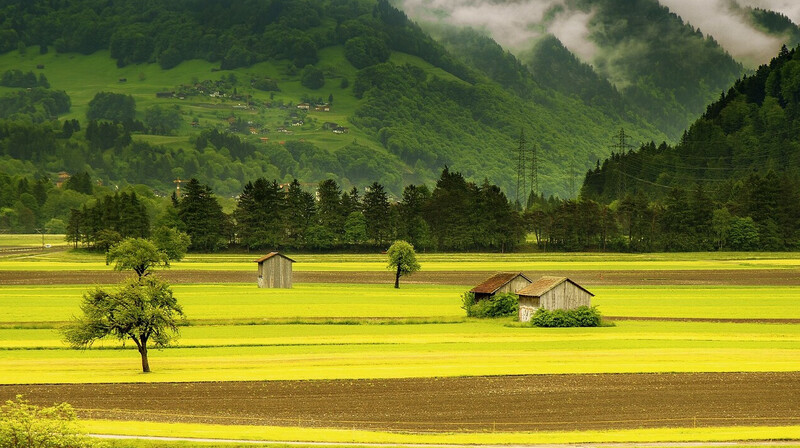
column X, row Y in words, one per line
column 274, row 271
column 551, row 293
column 500, row 283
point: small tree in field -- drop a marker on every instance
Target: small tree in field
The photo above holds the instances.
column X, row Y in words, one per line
column 142, row 309
column 23, row 425
column 402, row 259
column 141, row 255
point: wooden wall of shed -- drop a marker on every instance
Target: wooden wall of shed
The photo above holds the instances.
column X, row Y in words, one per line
column 565, row 296
column 275, row 272
column 514, row 285
column 527, row 307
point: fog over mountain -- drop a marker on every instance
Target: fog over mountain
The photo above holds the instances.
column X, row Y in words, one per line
column 516, row 24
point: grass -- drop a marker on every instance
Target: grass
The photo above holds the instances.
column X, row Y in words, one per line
column 82, row 76
column 244, row 303
column 301, row 352
column 712, row 434
column 30, row 241
column 438, row 262
column 234, row 301
column 332, row 331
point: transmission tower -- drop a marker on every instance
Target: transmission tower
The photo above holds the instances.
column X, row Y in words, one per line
column 622, row 146
column 521, row 171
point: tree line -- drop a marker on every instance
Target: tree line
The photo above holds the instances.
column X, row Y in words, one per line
column 455, row 215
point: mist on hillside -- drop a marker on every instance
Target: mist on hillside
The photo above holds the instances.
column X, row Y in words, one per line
column 518, row 24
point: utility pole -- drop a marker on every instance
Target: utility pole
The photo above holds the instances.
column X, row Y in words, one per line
column 521, row 165
column 622, row 146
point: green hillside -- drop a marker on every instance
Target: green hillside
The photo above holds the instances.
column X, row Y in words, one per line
column 740, row 160
column 639, row 60
column 441, row 111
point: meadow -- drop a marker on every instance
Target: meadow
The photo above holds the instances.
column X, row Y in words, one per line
column 376, row 262
column 325, row 331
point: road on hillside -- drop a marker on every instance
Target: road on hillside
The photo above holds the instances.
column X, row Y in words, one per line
column 501, row 403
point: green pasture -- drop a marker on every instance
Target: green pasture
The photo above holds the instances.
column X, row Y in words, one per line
column 494, row 347
column 82, row 76
column 245, row 303
column 376, row 262
column 32, row 241
column 249, row 303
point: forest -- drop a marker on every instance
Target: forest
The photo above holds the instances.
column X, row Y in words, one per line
column 457, row 111
column 732, row 182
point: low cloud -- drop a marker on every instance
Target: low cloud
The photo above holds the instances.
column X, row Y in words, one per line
column 728, row 25
column 513, row 24
column 516, row 24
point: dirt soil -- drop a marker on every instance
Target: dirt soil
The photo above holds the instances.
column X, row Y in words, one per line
column 502, row 403
column 749, row 277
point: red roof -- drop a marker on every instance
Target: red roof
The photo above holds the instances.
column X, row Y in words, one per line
column 545, row 284
column 496, row 282
column 270, row 255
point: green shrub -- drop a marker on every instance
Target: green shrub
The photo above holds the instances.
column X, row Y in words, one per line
column 582, row 316
column 504, row 304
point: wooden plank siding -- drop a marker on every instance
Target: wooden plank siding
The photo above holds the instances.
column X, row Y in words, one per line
column 552, row 293
column 275, row 272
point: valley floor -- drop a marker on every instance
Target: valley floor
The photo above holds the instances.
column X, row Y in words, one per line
column 495, row 403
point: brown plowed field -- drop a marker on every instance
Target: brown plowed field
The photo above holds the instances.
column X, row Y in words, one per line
column 745, row 277
column 503, row 403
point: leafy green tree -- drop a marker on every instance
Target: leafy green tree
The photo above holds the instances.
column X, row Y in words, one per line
column 137, row 254
column 355, row 228
column 80, row 182
column 143, row 310
column 23, row 425
column 363, row 51
column 312, row 77
column 115, row 107
column 162, row 120
column 743, row 234
column 106, row 238
column 402, row 259
column 172, row 242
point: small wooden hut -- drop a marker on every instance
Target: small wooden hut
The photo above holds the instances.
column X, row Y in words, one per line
column 274, row 271
column 551, row 293
column 500, row 283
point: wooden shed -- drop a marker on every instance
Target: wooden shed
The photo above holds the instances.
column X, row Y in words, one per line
column 500, row 283
column 274, row 271
column 551, row 293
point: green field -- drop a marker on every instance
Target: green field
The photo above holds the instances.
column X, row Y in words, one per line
column 222, row 353
column 349, row 330
column 32, row 241
column 245, row 303
column 437, row 262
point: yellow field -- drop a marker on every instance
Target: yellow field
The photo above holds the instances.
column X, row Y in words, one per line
column 275, row 433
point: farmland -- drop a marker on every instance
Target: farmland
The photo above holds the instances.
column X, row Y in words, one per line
column 363, row 343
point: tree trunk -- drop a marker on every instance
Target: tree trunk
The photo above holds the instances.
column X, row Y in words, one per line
column 145, row 362
column 397, row 278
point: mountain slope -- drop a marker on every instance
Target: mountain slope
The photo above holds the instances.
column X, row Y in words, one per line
column 429, row 110
column 658, row 66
